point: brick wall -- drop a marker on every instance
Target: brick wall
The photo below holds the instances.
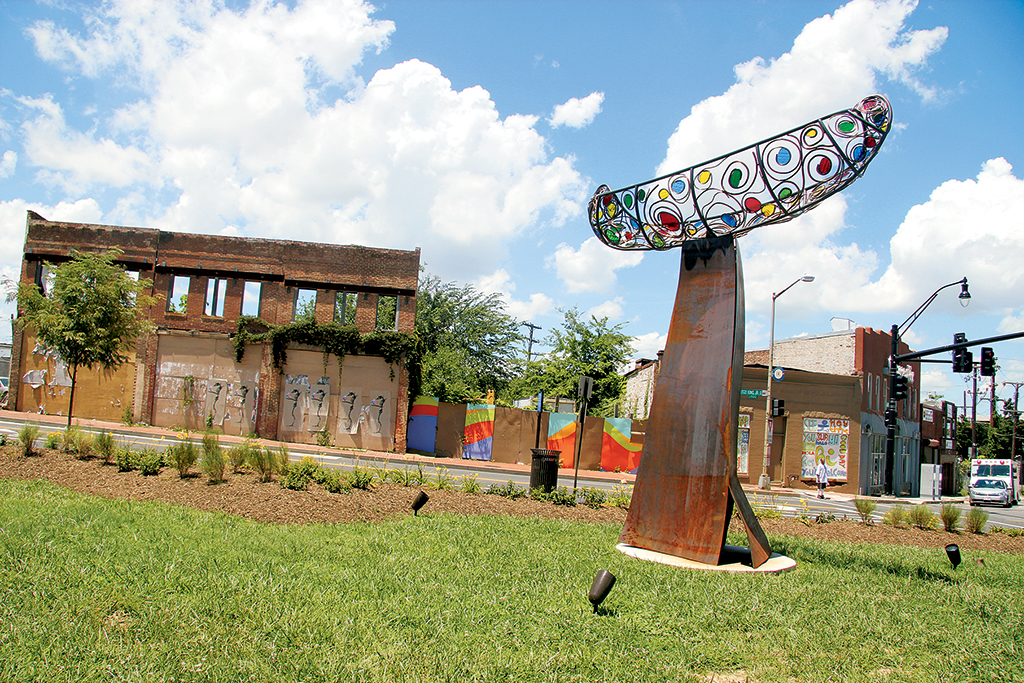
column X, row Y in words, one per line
column 280, row 266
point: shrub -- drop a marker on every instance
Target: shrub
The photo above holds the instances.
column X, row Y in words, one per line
column 950, row 514
column 594, row 498
column 1012, row 533
column 538, row 493
column 895, row 516
column 182, row 456
column 563, row 496
column 922, row 517
column 297, row 476
column 238, row 456
column 27, row 438
column 866, row 509
column 323, row 438
column 509, row 490
column 212, row 463
column 52, row 441
column 470, row 484
column 403, row 477
column 361, row 478
column 975, row 521
column 77, row 442
column 105, row 446
column 264, row 462
column 621, row 496
column 332, row 481
column 125, row 459
column 149, row 462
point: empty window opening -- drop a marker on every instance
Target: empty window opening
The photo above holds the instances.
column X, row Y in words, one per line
column 177, row 297
column 387, row 313
column 215, row 290
column 251, row 298
column 345, row 308
column 305, row 306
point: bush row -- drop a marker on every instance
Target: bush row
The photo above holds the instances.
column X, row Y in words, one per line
column 213, row 460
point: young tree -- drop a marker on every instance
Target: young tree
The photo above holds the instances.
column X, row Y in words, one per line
column 91, row 313
column 582, row 347
column 470, row 342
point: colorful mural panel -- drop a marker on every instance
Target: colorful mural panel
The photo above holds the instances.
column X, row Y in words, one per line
column 422, row 433
column 826, row 438
column 618, row 454
column 479, row 434
column 562, row 436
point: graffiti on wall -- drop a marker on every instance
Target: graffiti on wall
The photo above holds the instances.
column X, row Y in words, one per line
column 319, row 405
column 293, row 404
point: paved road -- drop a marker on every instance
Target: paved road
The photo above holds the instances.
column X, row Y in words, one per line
column 789, row 503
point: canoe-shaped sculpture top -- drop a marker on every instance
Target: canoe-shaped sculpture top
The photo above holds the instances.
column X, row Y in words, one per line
column 769, row 182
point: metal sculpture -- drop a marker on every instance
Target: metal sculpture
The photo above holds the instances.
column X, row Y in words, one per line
column 686, row 485
column 770, row 182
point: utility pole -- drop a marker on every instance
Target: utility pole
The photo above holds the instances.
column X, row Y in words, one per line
column 1016, row 415
column 529, row 348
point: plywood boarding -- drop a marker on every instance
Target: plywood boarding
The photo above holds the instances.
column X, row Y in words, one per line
column 99, row 394
column 218, row 386
column 364, row 380
column 451, row 426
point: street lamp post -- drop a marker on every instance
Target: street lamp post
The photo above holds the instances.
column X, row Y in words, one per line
column 765, row 481
column 890, row 409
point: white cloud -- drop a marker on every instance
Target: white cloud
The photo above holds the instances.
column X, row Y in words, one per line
column 966, row 228
column 591, row 268
column 611, row 309
column 254, row 122
column 75, row 160
column 499, row 283
column 832, row 65
column 648, row 345
column 8, row 163
column 577, row 113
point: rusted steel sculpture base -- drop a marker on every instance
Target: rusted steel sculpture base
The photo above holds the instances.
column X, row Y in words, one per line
column 686, row 485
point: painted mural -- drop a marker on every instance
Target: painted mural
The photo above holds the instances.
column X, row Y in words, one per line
column 422, row 434
column 562, row 436
column 618, row 454
column 479, row 435
column 826, row 438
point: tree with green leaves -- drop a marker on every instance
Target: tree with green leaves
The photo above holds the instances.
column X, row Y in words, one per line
column 470, row 341
column 91, row 313
column 581, row 347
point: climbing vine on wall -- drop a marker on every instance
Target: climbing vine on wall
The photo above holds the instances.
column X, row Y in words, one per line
column 338, row 340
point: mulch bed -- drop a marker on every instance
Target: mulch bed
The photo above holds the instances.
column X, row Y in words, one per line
column 241, row 494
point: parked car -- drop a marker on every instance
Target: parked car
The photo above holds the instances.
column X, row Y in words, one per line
column 990, row 491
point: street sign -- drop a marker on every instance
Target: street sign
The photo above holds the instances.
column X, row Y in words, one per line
column 753, row 393
column 778, row 374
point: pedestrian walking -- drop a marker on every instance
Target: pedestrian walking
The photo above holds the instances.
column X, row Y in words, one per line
column 821, row 476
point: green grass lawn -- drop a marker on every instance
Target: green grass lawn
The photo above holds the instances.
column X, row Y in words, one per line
column 109, row 590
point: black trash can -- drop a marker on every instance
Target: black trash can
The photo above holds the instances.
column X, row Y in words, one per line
column 544, row 469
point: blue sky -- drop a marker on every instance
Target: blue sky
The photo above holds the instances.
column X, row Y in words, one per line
column 478, row 131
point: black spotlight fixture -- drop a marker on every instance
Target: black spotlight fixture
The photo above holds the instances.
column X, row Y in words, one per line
column 601, row 587
column 953, row 553
column 420, row 500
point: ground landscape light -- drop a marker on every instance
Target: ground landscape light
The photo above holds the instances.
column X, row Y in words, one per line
column 420, row 500
column 601, row 587
column 953, row 552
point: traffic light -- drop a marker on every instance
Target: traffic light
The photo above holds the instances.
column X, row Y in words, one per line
column 900, row 388
column 778, row 407
column 988, row 361
column 963, row 360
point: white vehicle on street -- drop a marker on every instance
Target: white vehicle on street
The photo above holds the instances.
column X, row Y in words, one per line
column 996, row 480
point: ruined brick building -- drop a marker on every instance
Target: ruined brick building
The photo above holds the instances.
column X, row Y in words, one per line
column 186, row 374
